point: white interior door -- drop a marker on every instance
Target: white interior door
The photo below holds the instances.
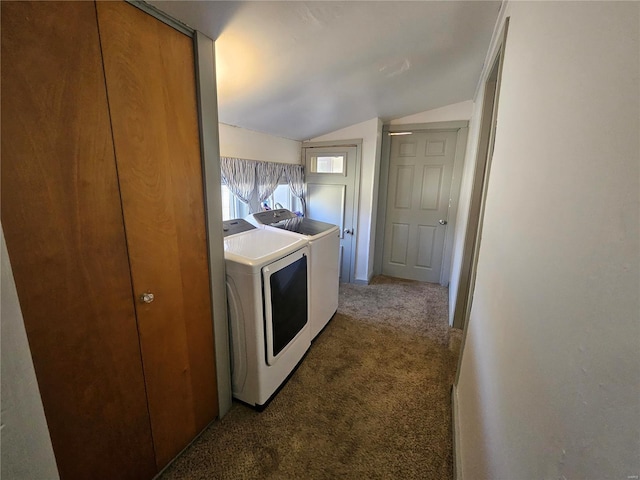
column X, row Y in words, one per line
column 420, row 170
column 330, row 174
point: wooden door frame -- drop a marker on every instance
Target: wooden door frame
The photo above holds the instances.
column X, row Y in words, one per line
column 207, row 103
column 462, row 129
column 356, row 189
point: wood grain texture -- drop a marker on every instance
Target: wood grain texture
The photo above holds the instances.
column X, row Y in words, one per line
column 64, row 230
column 150, row 76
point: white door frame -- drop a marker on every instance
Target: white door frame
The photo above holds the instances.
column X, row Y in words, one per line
column 356, row 190
column 462, row 129
column 473, row 234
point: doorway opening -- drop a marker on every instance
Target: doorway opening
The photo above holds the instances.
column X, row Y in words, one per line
column 332, row 179
column 473, row 236
column 420, row 172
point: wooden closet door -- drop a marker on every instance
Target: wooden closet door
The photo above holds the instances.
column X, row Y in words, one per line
column 64, row 230
column 150, row 76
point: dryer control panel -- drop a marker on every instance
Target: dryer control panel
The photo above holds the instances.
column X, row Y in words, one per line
column 237, row 225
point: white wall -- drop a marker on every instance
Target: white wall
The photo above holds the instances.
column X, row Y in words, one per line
column 26, row 445
column 371, row 134
column 448, row 113
column 549, row 382
column 242, row 143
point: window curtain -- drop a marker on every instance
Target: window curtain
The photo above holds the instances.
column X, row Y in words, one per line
column 268, row 176
column 295, row 178
column 253, row 182
column 239, row 176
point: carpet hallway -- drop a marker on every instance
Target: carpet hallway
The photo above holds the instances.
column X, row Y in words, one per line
column 371, row 400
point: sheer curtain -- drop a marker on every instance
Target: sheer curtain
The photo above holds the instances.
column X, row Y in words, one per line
column 253, row 182
column 239, row 176
column 295, row 178
column 267, row 177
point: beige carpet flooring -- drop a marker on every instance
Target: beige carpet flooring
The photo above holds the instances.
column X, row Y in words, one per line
column 371, row 400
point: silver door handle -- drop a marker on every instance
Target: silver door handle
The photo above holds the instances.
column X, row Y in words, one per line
column 147, row 297
column 349, row 231
column 442, row 222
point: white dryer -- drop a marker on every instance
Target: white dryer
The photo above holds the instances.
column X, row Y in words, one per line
column 268, row 297
column 324, row 248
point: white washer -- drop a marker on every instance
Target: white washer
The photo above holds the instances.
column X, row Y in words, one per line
column 268, row 298
column 324, row 248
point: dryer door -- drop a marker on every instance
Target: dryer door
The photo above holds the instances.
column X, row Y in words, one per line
column 286, row 302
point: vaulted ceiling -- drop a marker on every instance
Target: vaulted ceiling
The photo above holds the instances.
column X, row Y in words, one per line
column 301, row 69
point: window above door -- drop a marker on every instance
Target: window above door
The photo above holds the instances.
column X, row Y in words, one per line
column 327, row 164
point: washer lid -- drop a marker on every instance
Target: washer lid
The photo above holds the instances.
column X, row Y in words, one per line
column 259, row 247
column 287, row 220
column 272, row 216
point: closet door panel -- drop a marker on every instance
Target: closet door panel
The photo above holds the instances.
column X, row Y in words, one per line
column 150, row 76
column 64, row 230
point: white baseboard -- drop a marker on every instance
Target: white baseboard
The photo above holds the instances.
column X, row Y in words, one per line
column 457, row 460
